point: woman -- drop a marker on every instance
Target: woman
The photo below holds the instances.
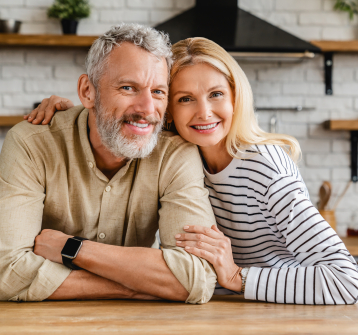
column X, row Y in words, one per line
column 271, row 243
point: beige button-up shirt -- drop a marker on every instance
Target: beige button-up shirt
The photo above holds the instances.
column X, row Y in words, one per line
column 49, row 179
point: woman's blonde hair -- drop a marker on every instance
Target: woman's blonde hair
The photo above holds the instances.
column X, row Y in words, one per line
column 244, row 130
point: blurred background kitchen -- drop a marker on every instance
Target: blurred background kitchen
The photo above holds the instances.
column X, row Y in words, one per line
column 293, row 95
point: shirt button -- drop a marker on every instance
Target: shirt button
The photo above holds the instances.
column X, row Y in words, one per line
column 90, row 164
column 108, row 188
column 102, row 235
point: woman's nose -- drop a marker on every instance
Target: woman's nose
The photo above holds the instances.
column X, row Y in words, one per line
column 204, row 111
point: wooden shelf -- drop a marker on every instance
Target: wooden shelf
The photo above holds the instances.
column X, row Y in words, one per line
column 352, row 127
column 9, row 121
column 337, row 46
column 341, row 125
column 86, row 41
column 46, row 40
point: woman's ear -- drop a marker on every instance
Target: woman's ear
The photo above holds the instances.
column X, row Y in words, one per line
column 169, row 116
column 86, row 91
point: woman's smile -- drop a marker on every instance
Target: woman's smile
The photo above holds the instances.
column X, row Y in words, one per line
column 206, row 128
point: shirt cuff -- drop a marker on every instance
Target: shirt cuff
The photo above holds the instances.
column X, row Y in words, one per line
column 48, row 279
column 194, row 273
column 251, row 283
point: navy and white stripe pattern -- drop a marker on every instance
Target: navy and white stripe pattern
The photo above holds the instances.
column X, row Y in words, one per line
column 262, row 204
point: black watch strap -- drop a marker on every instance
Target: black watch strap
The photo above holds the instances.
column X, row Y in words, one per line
column 68, row 261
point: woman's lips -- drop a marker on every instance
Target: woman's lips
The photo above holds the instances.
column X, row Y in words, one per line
column 205, row 131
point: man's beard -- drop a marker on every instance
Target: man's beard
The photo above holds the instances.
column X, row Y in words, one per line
column 135, row 146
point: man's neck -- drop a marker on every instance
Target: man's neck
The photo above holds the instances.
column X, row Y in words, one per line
column 106, row 162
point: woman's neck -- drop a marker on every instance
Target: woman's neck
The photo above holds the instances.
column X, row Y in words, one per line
column 216, row 158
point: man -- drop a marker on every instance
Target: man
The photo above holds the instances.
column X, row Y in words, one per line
column 103, row 172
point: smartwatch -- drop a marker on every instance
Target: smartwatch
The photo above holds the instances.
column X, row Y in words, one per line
column 71, row 250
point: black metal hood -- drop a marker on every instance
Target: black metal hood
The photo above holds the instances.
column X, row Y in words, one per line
column 236, row 30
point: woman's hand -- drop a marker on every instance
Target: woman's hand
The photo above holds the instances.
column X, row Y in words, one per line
column 215, row 247
column 44, row 112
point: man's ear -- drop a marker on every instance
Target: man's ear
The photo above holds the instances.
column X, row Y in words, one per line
column 86, row 91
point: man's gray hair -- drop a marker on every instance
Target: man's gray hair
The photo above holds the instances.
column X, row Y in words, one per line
column 150, row 39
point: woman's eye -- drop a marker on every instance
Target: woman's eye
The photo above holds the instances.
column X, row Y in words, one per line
column 216, row 94
column 184, row 99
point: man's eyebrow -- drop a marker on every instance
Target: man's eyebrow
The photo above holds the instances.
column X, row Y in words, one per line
column 210, row 89
column 126, row 81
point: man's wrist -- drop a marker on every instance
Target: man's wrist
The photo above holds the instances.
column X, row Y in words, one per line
column 70, row 251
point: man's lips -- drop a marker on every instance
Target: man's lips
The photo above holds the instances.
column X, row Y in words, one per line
column 140, row 127
column 205, row 128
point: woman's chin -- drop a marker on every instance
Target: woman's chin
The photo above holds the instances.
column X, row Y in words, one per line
column 202, row 142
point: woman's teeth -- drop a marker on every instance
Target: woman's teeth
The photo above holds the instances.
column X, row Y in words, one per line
column 210, row 126
column 139, row 125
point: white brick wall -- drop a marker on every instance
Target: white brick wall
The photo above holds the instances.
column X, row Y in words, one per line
column 28, row 75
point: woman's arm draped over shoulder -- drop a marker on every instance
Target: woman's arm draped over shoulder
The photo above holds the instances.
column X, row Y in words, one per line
column 44, row 112
column 325, row 272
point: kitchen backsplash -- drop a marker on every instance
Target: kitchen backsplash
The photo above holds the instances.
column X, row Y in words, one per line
column 28, row 75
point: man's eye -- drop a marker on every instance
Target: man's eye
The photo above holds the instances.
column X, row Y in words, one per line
column 184, row 99
column 158, row 92
column 127, row 88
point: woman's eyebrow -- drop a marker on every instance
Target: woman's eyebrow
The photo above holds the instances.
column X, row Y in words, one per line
column 210, row 89
column 181, row 92
column 216, row 87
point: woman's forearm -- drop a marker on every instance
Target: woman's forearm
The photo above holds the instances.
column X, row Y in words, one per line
column 83, row 285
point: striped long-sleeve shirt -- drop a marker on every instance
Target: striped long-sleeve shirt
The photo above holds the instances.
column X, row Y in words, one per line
column 262, row 204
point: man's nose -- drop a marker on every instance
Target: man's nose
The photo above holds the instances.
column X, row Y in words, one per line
column 145, row 103
column 204, row 110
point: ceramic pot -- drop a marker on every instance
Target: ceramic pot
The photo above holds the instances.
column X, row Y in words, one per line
column 69, row 26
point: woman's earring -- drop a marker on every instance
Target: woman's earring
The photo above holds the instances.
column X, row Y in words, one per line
column 168, row 124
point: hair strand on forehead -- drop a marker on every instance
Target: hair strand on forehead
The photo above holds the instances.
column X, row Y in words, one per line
column 151, row 40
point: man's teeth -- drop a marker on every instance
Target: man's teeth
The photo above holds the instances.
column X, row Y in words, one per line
column 210, row 126
column 139, row 125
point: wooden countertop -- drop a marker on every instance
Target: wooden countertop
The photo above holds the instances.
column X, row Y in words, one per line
column 222, row 315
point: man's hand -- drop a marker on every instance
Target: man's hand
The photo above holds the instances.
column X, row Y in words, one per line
column 49, row 244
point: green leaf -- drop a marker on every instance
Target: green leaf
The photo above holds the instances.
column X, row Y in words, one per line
column 349, row 6
column 69, row 9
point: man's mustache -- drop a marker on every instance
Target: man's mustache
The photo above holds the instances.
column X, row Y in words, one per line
column 135, row 117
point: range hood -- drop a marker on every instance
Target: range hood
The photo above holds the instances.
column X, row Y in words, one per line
column 237, row 31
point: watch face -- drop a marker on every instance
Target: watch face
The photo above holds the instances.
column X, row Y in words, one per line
column 71, row 248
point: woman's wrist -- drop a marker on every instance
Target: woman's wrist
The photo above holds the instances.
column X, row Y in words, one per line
column 234, row 282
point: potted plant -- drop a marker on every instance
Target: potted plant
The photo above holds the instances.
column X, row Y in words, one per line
column 69, row 12
column 349, row 6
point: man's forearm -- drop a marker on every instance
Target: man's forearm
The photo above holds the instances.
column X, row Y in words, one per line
column 142, row 270
column 83, row 285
